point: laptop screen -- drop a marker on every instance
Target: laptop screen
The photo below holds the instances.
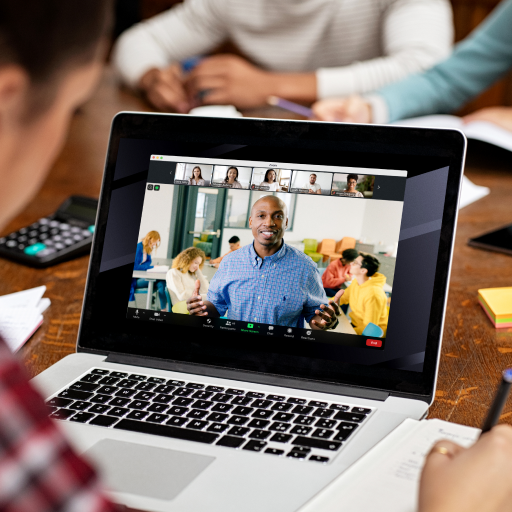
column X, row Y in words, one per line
column 220, row 242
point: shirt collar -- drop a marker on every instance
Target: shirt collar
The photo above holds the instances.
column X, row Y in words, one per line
column 257, row 261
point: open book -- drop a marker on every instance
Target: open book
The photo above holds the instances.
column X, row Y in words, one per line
column 393, row 467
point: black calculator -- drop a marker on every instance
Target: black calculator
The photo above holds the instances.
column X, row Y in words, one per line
column 65, row 234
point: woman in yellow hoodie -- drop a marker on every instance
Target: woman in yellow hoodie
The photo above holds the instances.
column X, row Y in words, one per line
column 365, row 295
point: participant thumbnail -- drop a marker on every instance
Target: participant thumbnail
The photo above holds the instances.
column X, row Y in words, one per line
column 309, row 182
column 193, row 174
column 231, row 176
column 271, row 179
column 353, row 185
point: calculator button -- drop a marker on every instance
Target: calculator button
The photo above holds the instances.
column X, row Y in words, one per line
column 64, row 226
column 59, row 246
column 54, row 224
column 91, row 228
column 2, row 240
column 32, row 250
column 22, row 231
column 68, row 241
column 11, row 236
column 21, row 247
column 54, row 231
column 43, row 229
column 75, row 229
column 45, row 252
column 43, row 221
column 86, row 233
column 22, row 238
column 57, row 238
column 32, row 241
column 77, row 238
column 33, row 233
column 11, row 243
column 43, row 236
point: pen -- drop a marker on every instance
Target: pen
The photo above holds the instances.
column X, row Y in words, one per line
column 499, row 401
column 290, row 105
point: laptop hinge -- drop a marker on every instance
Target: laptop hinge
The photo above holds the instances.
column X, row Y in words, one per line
column 247, row 376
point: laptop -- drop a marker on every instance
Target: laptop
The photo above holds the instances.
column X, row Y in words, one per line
column 258, row 404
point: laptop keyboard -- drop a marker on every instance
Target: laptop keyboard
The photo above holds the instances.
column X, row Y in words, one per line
column 277, row 425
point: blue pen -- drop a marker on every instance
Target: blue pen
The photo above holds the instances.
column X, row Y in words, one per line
column 499, row 401
column 290, row 105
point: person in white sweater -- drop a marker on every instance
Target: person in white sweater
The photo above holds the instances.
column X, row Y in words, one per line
column 302, row 51
column 186, row 270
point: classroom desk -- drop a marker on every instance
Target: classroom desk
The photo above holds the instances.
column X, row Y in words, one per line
column 473, row 352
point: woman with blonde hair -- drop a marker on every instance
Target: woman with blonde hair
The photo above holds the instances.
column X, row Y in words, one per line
column 185, row 271
column 143, row 262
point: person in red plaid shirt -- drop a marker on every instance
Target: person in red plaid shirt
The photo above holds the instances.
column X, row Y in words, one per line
column 51, row 56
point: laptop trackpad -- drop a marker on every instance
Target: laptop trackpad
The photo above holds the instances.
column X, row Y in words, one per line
column 146, row 470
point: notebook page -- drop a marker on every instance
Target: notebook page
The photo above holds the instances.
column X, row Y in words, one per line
column 391, row 470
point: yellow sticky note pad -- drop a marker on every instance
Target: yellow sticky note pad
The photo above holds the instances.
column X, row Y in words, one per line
column 497, row 303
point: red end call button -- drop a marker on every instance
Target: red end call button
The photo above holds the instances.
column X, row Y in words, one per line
column 374, row 343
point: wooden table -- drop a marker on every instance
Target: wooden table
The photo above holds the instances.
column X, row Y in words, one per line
column 473, row 353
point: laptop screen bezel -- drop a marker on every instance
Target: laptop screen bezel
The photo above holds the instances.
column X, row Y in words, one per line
column 415, row 143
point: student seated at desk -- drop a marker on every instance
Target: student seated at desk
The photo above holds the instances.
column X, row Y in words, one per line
column 234, row 245
column 365, row 295
column 186, row 270
column 338, row 272
column 143, row 262
column 300, row 51
column 477, row 62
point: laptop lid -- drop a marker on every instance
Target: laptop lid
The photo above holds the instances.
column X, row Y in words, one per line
column 387, row 192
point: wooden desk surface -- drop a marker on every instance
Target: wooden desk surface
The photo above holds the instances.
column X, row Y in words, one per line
column 473, row 352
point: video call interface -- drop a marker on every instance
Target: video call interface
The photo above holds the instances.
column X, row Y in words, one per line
column 333, row 231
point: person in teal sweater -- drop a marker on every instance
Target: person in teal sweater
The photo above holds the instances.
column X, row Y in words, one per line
column 476, row 63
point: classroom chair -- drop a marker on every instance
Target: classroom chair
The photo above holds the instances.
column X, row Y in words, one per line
column 346, row 242
column 327, row 248
column 310, row 245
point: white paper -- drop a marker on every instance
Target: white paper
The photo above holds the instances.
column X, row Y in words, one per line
column 391, row 470
column 158, row 268
column 471, row 192
column 216, row 111
column 25, row 298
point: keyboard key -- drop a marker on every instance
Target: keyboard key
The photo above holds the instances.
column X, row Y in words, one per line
column 75, row 395
column 302, row 409
column 107, row 390
column 304, row 420
column 100, row 399
column 302, row 431
column 345, row 430
column 222, row 397
column 316, row 443
column 241, row 400
column 318, row 458
column 195, row 385
column 176, row 411
column 163, row 399
column 222, row 407
column 108, row 381
column 92, row 377
column 279, row 427
column 158, row 418
column 301, row 449
column 254, row 394
column 281, row 438
column 82, row 417
column 118, row 411
column 238, row 420
column 261, row 404
column 103, row 421
column 339, row 407
column 232, row 391
column 350, row 416
column 202, row 395
column 156, row 380
column 323, row 413
column 316, row 403
column 299, row 401
column 238, row 431
column 125, row 392
column 255, row 446
column 230, row 442
column 144, row 395
column 138, row 404
column 166, row 431
column 79, row 406
column 99, row 409
column 63, row 414
column 242, row 411
column 262, row 414
column 259, row 434
column 296, row 455
column 137, row 415
column 119, row 402
column 59, row 402
column 145, row 386
column 166, row 390
column 178, row 422
column 201, row 404
column 322, row 433
column 137, row 377
column 276, row 398
column 322, row 423
column 99, row 371
column 258, row 423
column 121, row 375
column 283, row 416
column 181, row 391
column 197, row 424
column 274, row 451
column 217, row 427
column 197, row 414
column 217, row 416
column 175, row 383
column 214, row 389
column 282, row 407
column 160, row 408
column 361, row 410
column 182, row 401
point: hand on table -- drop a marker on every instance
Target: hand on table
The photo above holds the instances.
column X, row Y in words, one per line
column 353, row 109
column 476, row 479
column 195, row 304
column 326, row 317
column 164, row 89
column 500, row 116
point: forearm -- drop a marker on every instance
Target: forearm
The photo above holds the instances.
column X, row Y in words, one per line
column 293, row 86
column 211, row 309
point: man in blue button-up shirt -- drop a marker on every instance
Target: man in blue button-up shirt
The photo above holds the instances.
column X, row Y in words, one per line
column 268, row 281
